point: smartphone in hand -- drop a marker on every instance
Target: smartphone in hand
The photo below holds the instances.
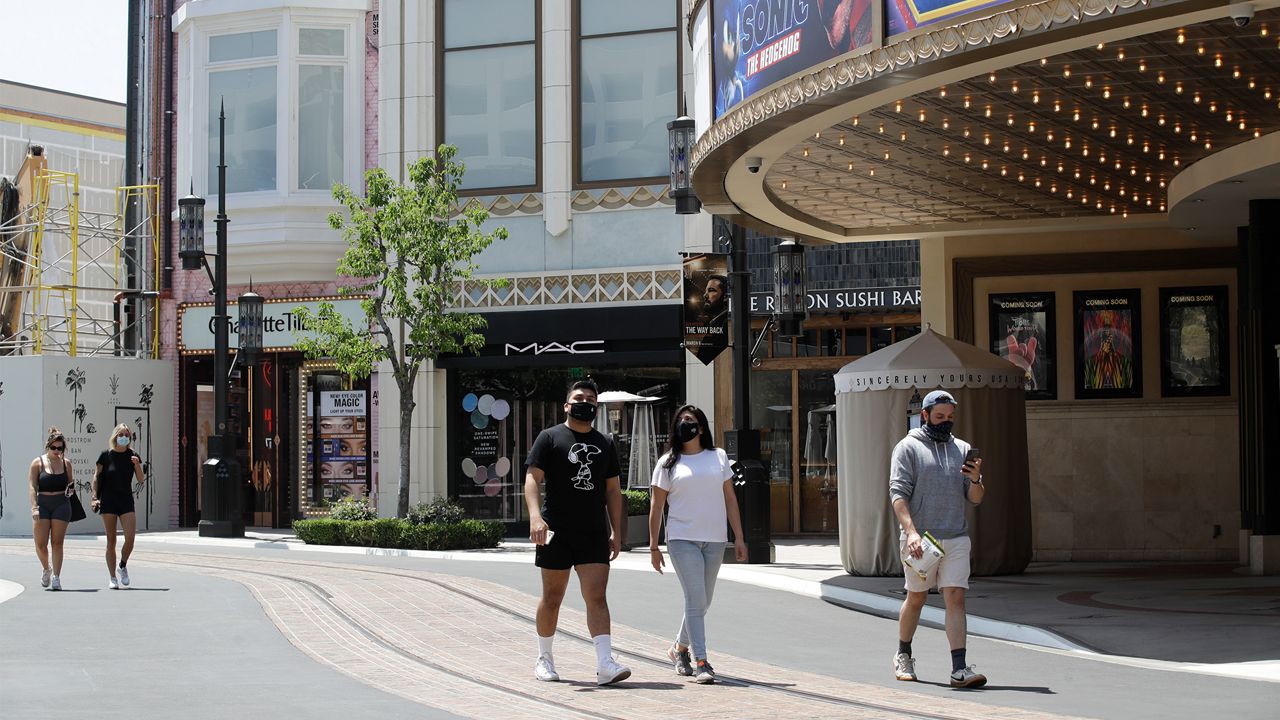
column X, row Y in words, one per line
column 973, row 454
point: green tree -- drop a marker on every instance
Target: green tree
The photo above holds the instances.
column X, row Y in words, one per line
column 408, row 247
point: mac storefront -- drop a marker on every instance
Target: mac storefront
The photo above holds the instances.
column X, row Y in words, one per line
column 499, row 400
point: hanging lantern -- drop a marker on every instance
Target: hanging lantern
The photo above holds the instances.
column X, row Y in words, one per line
column 680, row 137
column 250, row 304
column 790, row 291
column 191, row 231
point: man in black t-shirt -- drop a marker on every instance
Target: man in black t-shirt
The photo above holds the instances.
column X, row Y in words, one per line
column 578, row 525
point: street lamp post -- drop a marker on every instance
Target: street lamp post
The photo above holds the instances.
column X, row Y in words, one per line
column 220, row 492
column 743, row 442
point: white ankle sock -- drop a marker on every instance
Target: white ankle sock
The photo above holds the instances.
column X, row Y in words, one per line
column 544, row 645
column 604, row 648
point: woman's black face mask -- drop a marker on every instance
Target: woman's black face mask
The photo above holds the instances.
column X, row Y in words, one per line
column 686, row 430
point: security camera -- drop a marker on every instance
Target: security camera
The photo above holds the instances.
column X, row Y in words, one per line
column 754, row 163
column 1241, row 13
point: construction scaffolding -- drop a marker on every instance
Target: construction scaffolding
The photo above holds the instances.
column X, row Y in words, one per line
column 75, row 281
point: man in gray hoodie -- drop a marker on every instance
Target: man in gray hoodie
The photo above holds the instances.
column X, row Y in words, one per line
column 930, row 482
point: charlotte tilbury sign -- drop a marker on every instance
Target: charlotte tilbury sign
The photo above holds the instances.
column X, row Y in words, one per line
column 281, row 327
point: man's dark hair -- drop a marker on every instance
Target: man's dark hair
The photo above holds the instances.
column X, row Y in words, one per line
column 587, row 384
column 724, row 281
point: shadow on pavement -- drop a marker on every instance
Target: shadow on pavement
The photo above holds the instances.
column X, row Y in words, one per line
column 624, row 685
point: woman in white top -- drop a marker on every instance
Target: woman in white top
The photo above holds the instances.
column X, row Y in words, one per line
column 693, row 481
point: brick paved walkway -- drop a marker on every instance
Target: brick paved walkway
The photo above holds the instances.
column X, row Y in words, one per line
column 465, row 645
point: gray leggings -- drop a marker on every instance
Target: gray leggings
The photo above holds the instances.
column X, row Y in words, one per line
column 54, row 507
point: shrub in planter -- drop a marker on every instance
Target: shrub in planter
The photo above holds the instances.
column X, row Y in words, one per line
column 386, row 532
column 358, row 533
column 636, row 502
column 319, row 532
column 420, row 536
column 395, row 533
column 635, row 524
column 440, row 510
column 471, row 534
column 352, row 508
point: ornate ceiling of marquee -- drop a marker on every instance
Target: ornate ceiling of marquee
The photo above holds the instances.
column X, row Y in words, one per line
column 1099, row 131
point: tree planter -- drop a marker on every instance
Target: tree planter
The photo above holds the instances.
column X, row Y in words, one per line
column 635, row 521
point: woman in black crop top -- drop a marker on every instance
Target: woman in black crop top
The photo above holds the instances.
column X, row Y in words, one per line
column 51, row 484
column 118, row 467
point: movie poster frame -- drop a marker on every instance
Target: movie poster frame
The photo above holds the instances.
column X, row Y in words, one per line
column 1079, row 298
column 1221, row 303
column 994, row 315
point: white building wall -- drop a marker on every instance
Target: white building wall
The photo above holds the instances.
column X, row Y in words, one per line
column 558, row 230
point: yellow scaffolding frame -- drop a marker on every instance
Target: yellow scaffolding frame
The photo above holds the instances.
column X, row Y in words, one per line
column 148, row 196
column 56, row 212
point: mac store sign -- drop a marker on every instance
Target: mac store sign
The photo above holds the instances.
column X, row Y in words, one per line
column 625, row 336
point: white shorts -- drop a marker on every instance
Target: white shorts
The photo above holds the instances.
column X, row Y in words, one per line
column 951, row 571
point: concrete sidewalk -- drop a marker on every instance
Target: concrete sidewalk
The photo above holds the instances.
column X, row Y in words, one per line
column 1203, row 618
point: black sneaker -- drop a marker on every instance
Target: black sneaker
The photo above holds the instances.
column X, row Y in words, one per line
column 681, row 660
column 705, row 674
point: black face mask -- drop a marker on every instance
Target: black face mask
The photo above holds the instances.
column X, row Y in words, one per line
column 686, row 431
column 940, row 432
column 584, row 411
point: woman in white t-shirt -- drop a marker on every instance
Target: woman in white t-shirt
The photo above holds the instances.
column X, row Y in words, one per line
column 693, row 481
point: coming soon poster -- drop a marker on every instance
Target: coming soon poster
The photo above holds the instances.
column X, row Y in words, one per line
column 1023, row 332
column 1108, row 343
column 1193, row 341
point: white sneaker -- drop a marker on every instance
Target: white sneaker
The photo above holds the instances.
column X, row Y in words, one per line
column 904, row 667
column 55, row 583
column 967, row 677
column 44, row 577
column 113, row 584
column 545, row 669
column 124, row 577
column 611, row 672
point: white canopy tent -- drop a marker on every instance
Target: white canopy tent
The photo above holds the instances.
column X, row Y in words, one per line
column 873, row 395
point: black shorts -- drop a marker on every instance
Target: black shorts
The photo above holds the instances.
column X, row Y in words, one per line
column 115, row 503
column 54, row 507
column 566, row 550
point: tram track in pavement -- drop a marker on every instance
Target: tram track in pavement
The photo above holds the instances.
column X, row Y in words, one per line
column 229, row 565
column 373, row 636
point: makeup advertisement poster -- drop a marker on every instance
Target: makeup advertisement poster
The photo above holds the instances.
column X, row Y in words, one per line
column 343, row 428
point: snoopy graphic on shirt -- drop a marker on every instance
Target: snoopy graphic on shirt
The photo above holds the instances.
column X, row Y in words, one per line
column 581, row 454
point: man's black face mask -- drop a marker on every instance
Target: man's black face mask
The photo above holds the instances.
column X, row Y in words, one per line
column 583, row 411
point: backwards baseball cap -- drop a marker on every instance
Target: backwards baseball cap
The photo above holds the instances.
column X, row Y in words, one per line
column 938, row 396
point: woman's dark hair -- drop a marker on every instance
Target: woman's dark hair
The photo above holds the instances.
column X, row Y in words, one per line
column 704, row 436
column 54, row 436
